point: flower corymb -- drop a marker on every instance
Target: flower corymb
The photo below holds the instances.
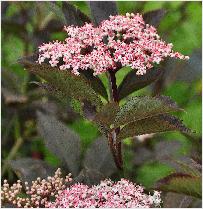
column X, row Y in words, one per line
column 108, row 194
column 54, row 193
column 115, row 43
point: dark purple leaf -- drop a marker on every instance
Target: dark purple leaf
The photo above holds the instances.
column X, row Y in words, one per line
column 107, row 114
column 29, row 169
column 156, row 124
column 73, row 15
column 174, row 200
column 133, row 82
column 89, row 110
column 154, row 17
column 181, row 183
column 89, row 177
column 137, row 108
column 61, row 141
column 95, row 82
column 72, row 86
column 99, row 157
column 101, row 10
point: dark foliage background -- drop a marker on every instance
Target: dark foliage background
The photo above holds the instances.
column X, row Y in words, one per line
column 25, row 25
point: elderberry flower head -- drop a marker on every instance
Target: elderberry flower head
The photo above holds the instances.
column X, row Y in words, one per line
column 108, row 194
column 115, row 43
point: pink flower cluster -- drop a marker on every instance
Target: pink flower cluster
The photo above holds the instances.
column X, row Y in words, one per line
column 115, row 43
column 108, row 194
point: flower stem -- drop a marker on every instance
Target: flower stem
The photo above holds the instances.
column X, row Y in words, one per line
column 115, row 146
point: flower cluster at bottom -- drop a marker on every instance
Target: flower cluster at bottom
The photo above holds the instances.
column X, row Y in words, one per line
column 107, row 194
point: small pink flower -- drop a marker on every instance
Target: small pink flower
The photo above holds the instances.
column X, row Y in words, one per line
column 118, row 42
column 108, row 194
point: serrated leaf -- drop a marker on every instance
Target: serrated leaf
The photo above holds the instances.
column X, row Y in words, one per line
column 96, row 83
column 53, row 92
column 107, row 114
column 101, row 10
column 181, row 183
column 154, row 17
column 137, row 108
column 133, row 82
column 99, row 157
column 61, row 141
column 155, row 124
column 29, row 169
column 69, row 84
column 73, row 15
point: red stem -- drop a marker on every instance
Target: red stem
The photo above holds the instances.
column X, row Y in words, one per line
column 117, row 152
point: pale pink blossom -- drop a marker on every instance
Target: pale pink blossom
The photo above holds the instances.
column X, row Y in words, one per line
column 118, row 42
column 108, row 194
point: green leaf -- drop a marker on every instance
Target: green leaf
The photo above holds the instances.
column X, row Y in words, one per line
column 133, row 82
column 137, row 108
column 70, row 85
column 107, row 114
column 149, row 173
column 61, row 141
column 99, row 157
column 29, row 169
column 81, row 126
column 181, row 183
column 155, row 124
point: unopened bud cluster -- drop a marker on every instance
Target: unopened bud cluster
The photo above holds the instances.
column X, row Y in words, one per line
column 37, row 195
column 118, row 42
